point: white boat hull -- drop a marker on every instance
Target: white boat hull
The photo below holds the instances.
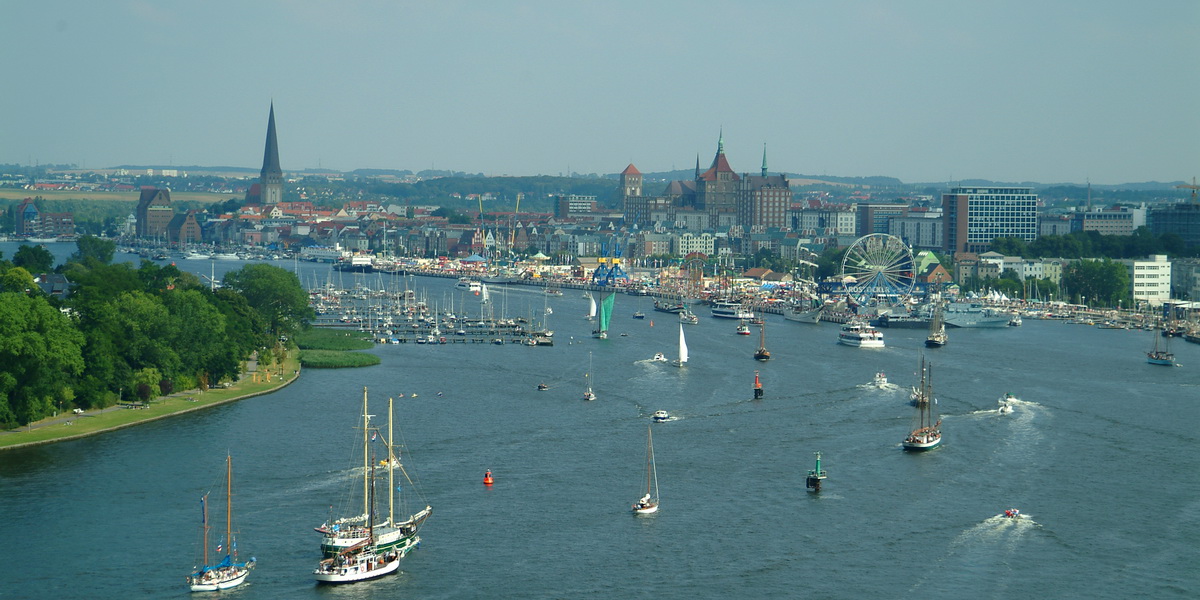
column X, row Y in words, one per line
column 367, row 569
column 808, row 316
column 220, row 581
column 646, row 510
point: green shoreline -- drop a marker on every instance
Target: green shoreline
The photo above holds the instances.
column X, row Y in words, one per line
column 44, row 431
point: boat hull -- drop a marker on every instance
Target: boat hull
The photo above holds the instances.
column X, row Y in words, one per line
column 811, row 316
column 220, row 582
column 916, row 445
column 351, row 574
column 646, row 510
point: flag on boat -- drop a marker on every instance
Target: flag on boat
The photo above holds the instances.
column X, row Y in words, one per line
column 374, row 434
column 219, row 546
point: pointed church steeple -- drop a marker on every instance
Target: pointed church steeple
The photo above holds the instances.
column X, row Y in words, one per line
column 764, row 165
column 697, row 164
column 271, row 178
column 721, row 141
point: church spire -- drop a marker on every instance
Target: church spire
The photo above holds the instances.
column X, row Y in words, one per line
column 721, row 141
column 271, row 152
column 697, row 164
column 764, row 165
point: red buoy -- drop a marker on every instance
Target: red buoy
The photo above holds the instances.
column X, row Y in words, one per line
column 487, row 478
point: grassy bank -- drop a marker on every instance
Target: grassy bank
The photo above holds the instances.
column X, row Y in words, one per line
column 71, row 426
column 326, row 348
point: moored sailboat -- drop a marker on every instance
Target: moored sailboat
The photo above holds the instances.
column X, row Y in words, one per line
column 588, row 394
column 648, row 503
column 229, row 572
column 1161, row 356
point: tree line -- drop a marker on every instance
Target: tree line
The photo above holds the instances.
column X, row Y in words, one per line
column 127, row 332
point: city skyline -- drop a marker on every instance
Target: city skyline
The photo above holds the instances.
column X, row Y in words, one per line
column 925, row 92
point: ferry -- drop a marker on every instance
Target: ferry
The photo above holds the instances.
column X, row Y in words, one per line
column 860, row 335
column 723, row 309
column 323, row 254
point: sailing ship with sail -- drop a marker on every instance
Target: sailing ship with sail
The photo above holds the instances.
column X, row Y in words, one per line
column 229, row 572
column 762, row 354
column 607, row 298
column 683, row 349
column 937, row 330
column 591, row 315
column 928, row 432
column 648, row 503
column 1161, row 356
column 348, row 534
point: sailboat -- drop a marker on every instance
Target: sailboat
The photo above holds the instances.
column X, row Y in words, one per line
column 927, row 433
column 762, row 354
column 1162, row 356
column 937, row 330
column 649, row 503
column 587, row 381
column 229, row 572
column 683, row 351
column 591, row 316
column 607, row 298
column 484, row 296
column 354, row 546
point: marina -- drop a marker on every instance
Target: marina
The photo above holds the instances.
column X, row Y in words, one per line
column 1055, row 453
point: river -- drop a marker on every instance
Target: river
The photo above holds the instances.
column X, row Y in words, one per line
column 1100, row 456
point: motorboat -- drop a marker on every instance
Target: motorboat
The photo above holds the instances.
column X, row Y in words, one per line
column 880, row 379
column 659, row 357
column 743, row 329
column 723, row 309
column 639, row 315
column 542, row 387
column 1012, row 513
column 660, row 416
column 860, row 335
column 689, row 318
column 1006, row 404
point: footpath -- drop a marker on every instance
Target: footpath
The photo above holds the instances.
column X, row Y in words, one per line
column 75, row 425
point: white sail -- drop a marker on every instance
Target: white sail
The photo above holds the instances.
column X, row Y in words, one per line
column 591, row 307
column 683, row 351
column 484, row 298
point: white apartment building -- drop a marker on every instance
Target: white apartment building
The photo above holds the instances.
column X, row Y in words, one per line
column 688, row 242
column 1151, row 279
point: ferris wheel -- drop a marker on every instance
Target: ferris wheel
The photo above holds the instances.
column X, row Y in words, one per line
column 878, row 266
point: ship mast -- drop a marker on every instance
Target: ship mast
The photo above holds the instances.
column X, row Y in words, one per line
column 391, row 469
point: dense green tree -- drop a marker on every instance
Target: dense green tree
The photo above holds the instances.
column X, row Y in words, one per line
column 94, row 248
column 34, row 259
column 199, row 337
column 1100, row 282
column 16, row 279
column 275, row 293
column 39, row 357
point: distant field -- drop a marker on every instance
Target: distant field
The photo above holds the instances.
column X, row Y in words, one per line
column 206, row 198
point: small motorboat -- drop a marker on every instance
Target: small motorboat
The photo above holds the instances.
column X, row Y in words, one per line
column 639, row 315
column 659, row 357
column 660, row 416
column 689, row 317
column 743, row 329
column 1012, row 513
column 543, row 387
column 880, row 379
column 1006, row 404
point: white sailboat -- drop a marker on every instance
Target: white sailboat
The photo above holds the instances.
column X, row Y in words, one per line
column 591, row 315
column 587, row 381
column 229, row 572
column 683, row 350
column 648, row 503
column 927, row 433
column 355, row 546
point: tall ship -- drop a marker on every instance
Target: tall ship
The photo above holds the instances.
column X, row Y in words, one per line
column 927, row 432
column 604, row 317
column 339, row 535
column 974, row 314
column 937, row 331
column 802, row 313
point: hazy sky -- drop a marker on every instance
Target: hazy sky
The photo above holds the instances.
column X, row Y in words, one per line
column 926, row 91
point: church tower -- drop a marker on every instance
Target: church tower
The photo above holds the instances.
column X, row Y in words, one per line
column 271, row 178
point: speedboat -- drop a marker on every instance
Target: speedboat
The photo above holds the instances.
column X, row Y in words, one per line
column 880, row 379
column 743, row 329
column 1006, row 404
column 659, row 357
column 543, row 387
column 660, row 416
column 1012, row 513
column 639, row 315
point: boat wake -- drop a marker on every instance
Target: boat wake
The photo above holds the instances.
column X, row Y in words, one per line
column 886, row 387
column 989, row 544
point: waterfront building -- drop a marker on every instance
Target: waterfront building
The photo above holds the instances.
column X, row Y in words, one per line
column 154, row 212
column 184, row 229
column 974, row 216
column 874, row 217
column 920, row 230
column 1151, row 279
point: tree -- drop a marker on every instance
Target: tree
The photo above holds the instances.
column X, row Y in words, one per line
column 16, row 279
column 93, row 248
column 34, row 259
column 1104, row 282
column 40, row 353
column 276, row 294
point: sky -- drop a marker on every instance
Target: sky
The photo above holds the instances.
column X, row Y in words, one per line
column 1048, row 91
